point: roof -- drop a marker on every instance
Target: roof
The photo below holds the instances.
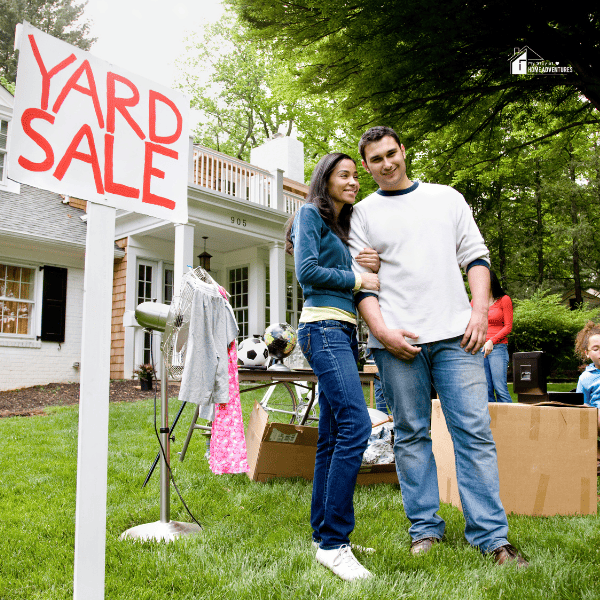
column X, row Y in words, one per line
column 38, row 213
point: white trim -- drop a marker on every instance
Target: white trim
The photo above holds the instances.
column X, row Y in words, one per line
column 19, row 342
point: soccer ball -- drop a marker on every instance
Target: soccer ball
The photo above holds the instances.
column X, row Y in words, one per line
column 252, row 352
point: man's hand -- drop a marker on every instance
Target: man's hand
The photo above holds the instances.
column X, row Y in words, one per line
column 395, row 344
column 474, row 337
column 368, row 259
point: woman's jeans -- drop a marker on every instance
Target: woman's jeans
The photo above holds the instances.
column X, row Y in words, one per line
column 459, row 380
column 331, row 349
column 496, row 366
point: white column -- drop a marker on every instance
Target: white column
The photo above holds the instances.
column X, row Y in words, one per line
column 277, row 201
column 277, row 283
column 92, row 449
column 131, row 295
column 184, row 253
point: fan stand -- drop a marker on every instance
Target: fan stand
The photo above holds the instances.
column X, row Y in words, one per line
column 165, row 529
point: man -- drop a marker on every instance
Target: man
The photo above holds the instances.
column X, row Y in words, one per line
column 423, row 331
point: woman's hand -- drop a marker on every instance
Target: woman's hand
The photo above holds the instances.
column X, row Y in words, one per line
column 369, row 259
column 370, row 281
column 487, row 348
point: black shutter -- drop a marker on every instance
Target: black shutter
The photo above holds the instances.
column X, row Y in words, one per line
column 54, row 304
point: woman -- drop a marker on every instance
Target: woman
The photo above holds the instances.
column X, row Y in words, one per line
column 495, row 349
column 317, row 237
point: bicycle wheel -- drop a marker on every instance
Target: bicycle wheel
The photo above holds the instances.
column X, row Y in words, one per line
column 280, row 401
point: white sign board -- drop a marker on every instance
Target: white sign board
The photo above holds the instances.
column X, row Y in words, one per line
column 88, row 129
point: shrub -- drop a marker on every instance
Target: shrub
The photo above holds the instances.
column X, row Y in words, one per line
column 543, row 323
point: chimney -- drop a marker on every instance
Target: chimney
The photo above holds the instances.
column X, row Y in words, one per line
column 281, row 152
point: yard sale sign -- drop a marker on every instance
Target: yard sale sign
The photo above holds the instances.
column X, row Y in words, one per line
column 88, row 129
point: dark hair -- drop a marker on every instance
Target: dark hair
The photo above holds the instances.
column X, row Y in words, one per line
column 374, row 135
column 583, row 338
column 496, row 288
column 319, row 196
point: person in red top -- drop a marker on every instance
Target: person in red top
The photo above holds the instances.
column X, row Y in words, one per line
column 495, row 349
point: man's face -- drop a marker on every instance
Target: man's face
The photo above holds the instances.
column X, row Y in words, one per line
column 384, row 160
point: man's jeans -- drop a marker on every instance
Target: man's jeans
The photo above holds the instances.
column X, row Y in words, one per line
column 496, row 366
column 459, row 379
column 331, row 349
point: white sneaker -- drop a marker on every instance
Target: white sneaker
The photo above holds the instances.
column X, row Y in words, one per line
column 343, row 563
column 354, row 547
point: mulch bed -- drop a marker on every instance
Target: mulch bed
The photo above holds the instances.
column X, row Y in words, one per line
column 33, row 400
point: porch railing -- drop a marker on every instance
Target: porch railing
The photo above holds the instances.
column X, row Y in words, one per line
column 221, row 173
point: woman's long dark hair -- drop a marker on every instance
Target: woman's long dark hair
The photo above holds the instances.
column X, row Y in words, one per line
column 495, row 287
column 319, row 196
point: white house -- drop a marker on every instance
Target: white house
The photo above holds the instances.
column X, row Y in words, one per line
column 237, row 213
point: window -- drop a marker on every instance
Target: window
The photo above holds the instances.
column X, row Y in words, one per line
column 168, row 289
column 145, row 295
column 3, row 147
column 267, row 295
column 293, row 299
column 238, row 290
column 16, row 299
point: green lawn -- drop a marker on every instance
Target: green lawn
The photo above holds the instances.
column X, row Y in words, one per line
column 256, row 538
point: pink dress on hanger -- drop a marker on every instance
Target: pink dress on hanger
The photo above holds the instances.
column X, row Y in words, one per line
column 227, row 442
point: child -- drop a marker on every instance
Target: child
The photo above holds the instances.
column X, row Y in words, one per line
column 587, row 347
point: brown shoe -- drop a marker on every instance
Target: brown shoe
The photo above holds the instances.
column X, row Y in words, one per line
column 423, row 545
column 508, row 554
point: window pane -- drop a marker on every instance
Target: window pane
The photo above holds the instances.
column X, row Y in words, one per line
column 12, row 273
column 25, row 293
column 12, row 289
column 3, row 134
column 2, row 166
column 23, row 318
column 9, row 317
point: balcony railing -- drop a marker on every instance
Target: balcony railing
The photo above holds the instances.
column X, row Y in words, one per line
column 238, row 179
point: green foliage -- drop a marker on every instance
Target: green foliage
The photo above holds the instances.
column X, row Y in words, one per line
column 7, row 84
column 536, row 204
column 245, row 94
column 59, row 18
column 543, row 323
column 418, row 65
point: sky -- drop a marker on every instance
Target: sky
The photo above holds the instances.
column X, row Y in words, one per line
column 147, row 36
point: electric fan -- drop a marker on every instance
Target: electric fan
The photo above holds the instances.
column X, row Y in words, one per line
column 173, row 321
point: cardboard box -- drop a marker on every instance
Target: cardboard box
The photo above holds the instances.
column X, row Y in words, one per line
column 546, row 458
column 283, row 450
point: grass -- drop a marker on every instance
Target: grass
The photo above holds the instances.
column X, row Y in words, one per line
column 256, row 538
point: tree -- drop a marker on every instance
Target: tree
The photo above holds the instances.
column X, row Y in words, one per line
column 59, row 18
column 230, row 82
column 418, row 65
column 245, row 96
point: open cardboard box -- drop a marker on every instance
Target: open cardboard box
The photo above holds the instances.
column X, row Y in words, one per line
column 546, row 458
column 283, row 450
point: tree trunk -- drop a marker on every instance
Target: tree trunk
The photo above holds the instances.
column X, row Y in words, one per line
column 539, row 228
column 575, row 221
